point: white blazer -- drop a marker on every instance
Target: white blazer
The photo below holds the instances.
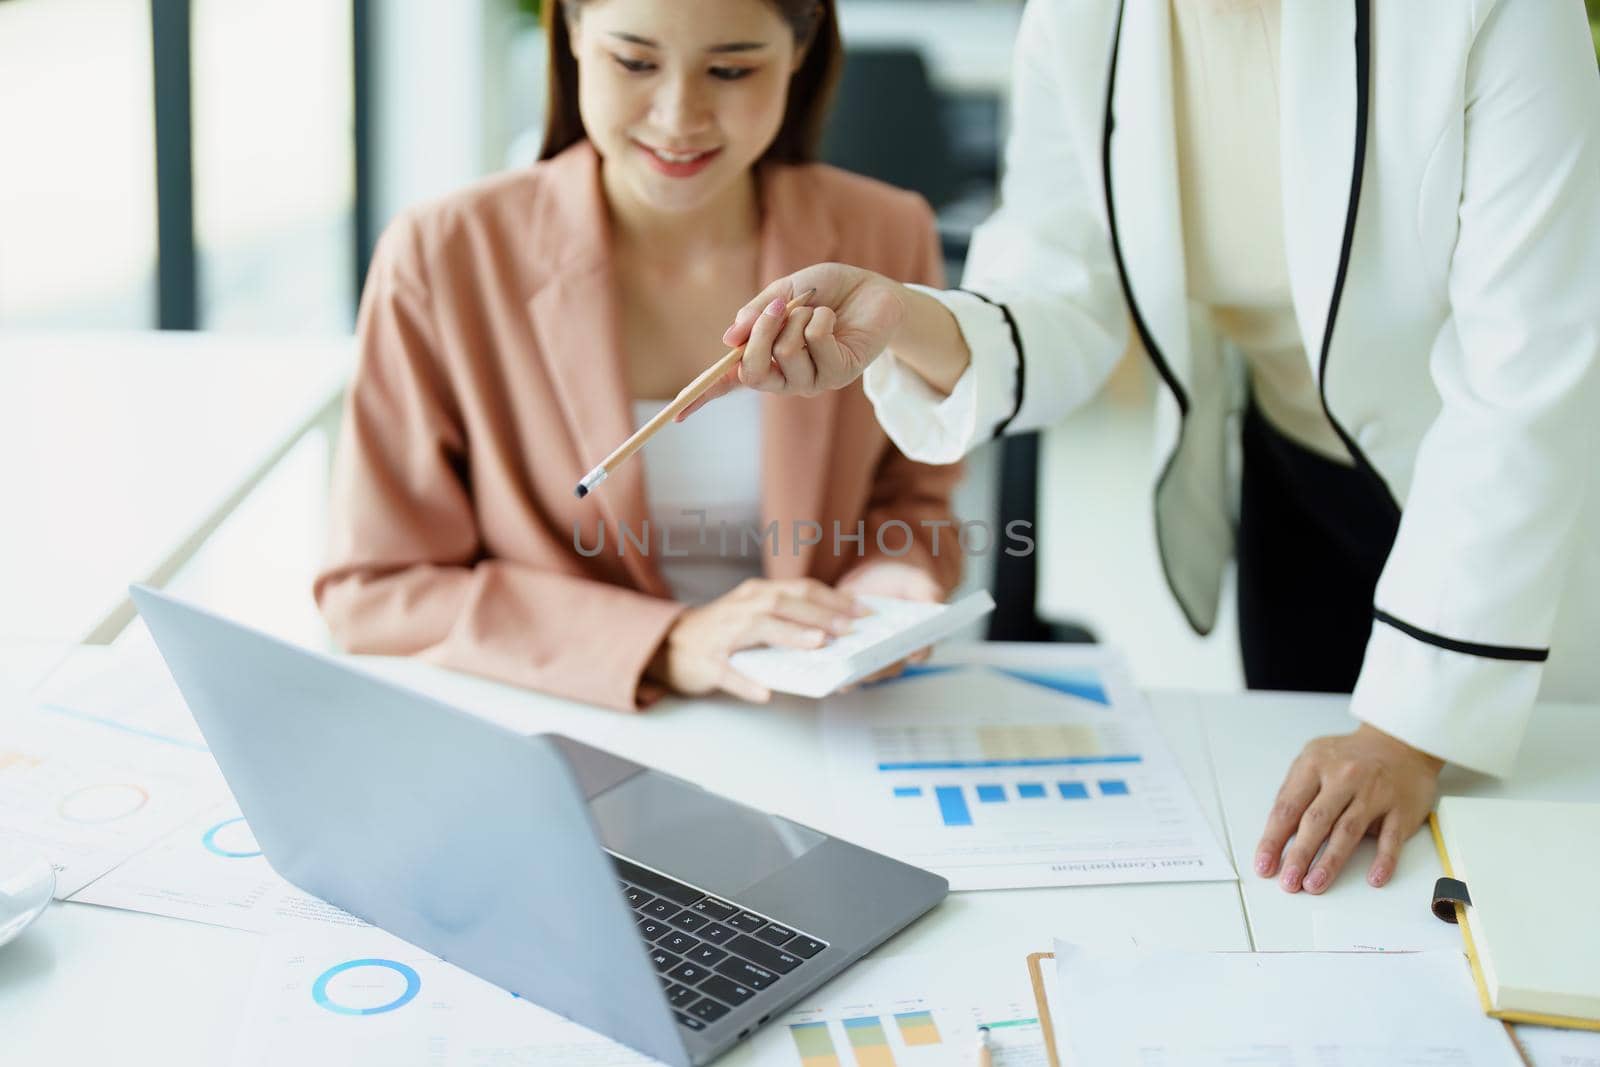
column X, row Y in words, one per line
column 1440, row 162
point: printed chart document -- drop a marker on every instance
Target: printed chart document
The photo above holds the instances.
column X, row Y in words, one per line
column 87, row 795
column 894, row 630
column 907, row 1011
column 210, row 870
column 1285, row 1009
column 345, row 995
column 127, row 689
column 1014, row 766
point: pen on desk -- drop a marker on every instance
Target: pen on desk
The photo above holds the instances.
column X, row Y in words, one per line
column 985, row 1054
column 686, row 396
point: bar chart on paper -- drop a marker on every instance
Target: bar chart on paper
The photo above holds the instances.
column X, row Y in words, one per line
column 959, row 774
column 998, row 776
column 907, row 1012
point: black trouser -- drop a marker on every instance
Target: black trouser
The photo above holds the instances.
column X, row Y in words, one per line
column 1313, row 537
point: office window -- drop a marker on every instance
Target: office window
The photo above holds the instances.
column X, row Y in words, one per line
column 77, row 181
column 274, row 164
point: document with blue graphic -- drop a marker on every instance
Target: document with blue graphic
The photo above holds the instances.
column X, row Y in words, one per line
column 1013, row 766
column 86, row 795
column 210, row 870
column 357, row 995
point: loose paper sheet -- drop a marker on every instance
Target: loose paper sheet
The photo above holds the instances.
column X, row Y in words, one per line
column 87, row 796
column 1287, row 1009
column 1011, row 767
column 210, row 870
column 346, row 995
column 909, row 1011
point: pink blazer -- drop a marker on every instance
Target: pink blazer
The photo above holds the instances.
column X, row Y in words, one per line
column 490, row 380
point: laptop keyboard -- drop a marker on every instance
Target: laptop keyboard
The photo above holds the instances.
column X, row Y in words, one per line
column 712, row 954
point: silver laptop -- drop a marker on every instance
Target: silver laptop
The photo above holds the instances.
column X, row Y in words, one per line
column 635, row 903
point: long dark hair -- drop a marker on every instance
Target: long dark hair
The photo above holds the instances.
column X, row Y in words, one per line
column 810, row 89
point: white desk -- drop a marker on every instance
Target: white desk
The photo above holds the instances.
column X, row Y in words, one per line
column 90, row 985
column 1254, row 737
column 121, row 453
column 171, row 993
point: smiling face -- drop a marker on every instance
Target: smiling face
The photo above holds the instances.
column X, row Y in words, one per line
column 681, row 97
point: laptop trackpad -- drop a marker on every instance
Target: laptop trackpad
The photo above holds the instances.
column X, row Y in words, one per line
column 685, row 831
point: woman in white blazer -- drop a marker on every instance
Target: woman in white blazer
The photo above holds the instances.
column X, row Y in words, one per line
column 1370, row 234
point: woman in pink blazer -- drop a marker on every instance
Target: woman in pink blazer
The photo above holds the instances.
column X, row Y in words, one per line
column 514, row 333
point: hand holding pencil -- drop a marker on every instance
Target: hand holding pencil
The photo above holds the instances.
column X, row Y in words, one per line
column 702, row 383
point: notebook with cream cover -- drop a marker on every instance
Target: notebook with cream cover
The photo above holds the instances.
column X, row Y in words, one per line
column 1532, row 928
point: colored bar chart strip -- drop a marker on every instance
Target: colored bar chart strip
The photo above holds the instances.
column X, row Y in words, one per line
column 868, row 1041
column 954, row 809
column 989, row 764
column 811, row 1040
column 918, row 1028
column 953, row 805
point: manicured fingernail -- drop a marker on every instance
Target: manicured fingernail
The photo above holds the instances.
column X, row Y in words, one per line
column 1318, row 879
column 1263, row 863
column 1291, row 879
column 774, row 309
column 1377, row 876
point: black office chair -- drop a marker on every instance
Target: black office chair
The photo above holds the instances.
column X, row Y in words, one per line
column 888, row 122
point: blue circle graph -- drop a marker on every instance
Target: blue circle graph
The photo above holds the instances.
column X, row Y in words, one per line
column 319, row 991
column 210, row 841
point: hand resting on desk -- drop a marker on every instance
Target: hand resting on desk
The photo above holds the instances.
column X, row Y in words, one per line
column 1339, row 790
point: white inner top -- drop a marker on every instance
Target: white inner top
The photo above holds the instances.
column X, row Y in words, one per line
column 1225, row 80
column 709, row 463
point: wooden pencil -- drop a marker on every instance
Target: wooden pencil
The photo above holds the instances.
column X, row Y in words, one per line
column 686, row 396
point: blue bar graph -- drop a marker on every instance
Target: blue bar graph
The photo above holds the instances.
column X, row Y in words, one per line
column 1030, row 790
column 953, row 806
column 908, row 790
column 992, row 794
column 1113, row 787
column 1073, row 790
column 968, row 764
